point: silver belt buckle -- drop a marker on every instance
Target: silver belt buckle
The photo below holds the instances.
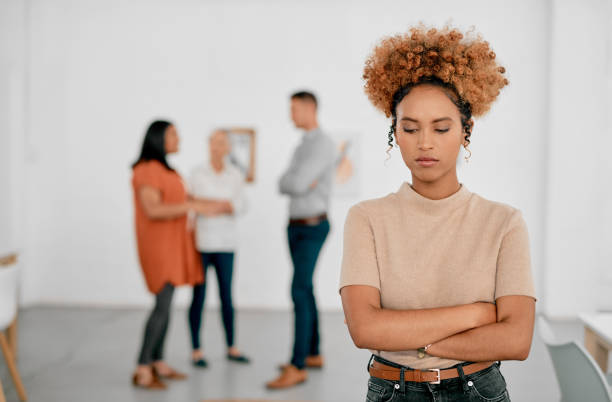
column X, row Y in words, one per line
column 438, row 372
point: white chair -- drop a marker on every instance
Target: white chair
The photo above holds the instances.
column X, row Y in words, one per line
column 579, row 376
column 8, row 311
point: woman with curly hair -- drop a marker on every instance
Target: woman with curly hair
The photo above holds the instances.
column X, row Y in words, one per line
column 436, row 280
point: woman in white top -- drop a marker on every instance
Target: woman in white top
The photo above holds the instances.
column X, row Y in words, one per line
column 220, row 185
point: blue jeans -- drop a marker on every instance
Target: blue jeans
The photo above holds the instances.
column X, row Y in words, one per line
column 224, row 267
column 487, row 385
column 305, row 243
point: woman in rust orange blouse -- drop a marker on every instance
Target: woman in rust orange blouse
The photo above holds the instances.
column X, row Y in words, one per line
column 166, row 247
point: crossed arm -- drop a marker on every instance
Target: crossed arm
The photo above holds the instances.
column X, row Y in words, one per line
column 471, row 332
column 302, row 174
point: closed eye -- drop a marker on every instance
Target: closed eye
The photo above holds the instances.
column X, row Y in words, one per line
column 442, row 130
column 410, row 130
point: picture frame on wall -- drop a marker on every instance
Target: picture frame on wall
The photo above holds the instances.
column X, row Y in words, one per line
column 242, row 154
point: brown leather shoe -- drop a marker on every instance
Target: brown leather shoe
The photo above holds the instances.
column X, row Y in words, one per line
column 173, row 375
column 290, row 377
column 313, row 362
column 154, row 384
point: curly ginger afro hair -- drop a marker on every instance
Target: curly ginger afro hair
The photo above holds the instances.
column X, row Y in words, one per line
column 467, row 65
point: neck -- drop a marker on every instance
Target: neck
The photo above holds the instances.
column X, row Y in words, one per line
column 311, row 126
column 217, row 164
column 444, row 187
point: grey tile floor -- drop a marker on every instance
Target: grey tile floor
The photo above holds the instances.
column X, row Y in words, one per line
column 73, row 354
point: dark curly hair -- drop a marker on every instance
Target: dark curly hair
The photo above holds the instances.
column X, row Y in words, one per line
column 464, row 67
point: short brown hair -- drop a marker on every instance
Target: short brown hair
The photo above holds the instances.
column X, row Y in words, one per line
column 305, row 95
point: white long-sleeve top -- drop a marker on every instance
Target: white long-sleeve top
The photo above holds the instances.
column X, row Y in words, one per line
column 218, row 233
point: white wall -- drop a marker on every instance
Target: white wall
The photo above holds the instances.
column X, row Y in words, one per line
column 101, row 70
column 12, row 123
column 579, row 197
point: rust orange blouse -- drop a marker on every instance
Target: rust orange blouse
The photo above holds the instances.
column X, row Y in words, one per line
column 166, row 248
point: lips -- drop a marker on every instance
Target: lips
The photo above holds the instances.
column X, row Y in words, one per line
column 426, row 161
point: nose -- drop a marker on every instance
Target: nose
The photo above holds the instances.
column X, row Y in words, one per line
column 424, row 140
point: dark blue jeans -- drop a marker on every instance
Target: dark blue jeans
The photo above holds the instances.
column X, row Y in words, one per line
column 224, row 267
column 486, row 385
column 305, row 243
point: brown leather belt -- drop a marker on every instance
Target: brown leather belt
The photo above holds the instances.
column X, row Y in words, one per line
column 434, row 376
column 310, row 221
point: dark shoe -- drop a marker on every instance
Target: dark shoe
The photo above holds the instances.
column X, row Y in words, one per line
column 290, row 377
column 201, row 363
column 238, row 359
column 154, row 384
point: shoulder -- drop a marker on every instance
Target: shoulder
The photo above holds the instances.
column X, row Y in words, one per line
column 149, row 167
column 506, row 215
column 153, row 173
column 374, row 207
column 326, row 140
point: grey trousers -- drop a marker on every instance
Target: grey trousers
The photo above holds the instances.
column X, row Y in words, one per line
column 156, row 328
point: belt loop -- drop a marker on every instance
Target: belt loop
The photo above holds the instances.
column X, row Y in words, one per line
column 369, row 363
column 463, row 379
column 402, row 382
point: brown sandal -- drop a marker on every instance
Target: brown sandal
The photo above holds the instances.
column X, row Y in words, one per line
column 155, row 384
column 173, row 375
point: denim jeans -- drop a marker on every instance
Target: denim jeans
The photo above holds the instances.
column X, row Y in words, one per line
column 487, row 385
column 305, row 243
column 224, row 267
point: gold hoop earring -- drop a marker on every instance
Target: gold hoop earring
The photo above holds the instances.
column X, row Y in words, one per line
column 469, row 155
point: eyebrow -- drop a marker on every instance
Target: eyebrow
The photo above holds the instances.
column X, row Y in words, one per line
column 433, row 121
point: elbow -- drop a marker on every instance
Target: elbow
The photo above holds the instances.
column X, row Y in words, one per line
column 292, row 187
column 284, row 188
column 285, row 185
column 518, row 350
column 292, row 190
column 522, row 352
column 360, row 336
column 518, row 338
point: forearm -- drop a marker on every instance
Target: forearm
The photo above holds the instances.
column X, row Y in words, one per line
column 497, row 341
column 211, row 207
column 166, row 211
column 298, row 179
column 398, row 330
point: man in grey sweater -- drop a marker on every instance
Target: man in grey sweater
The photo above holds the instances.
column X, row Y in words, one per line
column 307, row 181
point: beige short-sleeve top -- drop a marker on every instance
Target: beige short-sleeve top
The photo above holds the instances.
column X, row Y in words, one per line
column 422, row 253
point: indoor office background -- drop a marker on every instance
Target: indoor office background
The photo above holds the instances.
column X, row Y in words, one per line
column 80, row 81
